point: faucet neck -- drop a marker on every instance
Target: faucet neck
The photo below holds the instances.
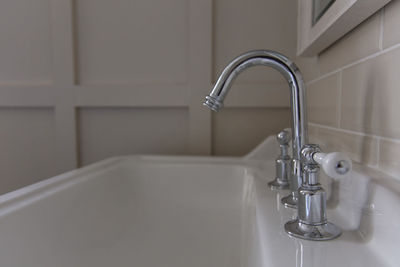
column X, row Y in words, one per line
column 291, row 73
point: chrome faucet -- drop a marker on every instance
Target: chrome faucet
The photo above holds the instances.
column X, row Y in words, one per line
column 311, row 222
column 297, row 103
column 306, row 192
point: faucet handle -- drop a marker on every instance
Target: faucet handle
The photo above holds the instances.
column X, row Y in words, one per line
column 336, row 164
column 283, row 137
column 282, row 163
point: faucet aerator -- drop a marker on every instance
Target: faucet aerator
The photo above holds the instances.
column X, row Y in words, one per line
column 213, row 103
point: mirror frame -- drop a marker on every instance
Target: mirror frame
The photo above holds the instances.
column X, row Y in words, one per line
column 341, row 17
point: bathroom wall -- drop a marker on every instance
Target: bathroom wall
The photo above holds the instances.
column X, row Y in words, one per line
column 354, row 92
column 83, row 80
column 257, row 105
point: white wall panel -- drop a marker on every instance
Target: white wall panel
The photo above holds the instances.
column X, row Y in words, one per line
column 106, row 132
column 124, row 41
column 25, row 47
column 238, row 130
column 137, row 72
column 27, row 147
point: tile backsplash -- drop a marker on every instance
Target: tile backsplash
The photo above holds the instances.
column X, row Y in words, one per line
column 354, row 92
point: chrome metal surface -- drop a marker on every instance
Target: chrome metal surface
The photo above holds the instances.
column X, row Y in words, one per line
column 284, row 137
column 297, row 99
column 290, row 201
column 282, row 163
column 311, row 222
column 321, row 232
column 278, row 185
column 312, row 205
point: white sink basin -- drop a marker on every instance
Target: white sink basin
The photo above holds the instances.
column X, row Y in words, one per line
column 189, row 211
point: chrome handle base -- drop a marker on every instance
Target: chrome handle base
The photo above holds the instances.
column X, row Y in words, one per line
column 322, row 232
column 311, row 222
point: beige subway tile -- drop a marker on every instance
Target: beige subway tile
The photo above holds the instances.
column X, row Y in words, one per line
column 308, row 67
column 391, row 32
column 370, row 96
column 312, row 132
column 357, row 44
column 323, row 101
column 314, row 137
column 389, row 157
column 362, row 149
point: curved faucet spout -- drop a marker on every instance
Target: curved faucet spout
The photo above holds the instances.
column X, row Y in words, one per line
column 297, row 97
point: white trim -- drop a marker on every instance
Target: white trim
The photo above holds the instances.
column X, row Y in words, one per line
column 340, row 18
column 381, row 28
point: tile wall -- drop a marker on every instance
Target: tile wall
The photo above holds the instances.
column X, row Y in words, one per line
column 354, row 92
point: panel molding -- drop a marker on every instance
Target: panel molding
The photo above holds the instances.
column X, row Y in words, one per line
column 132, row 96
column 200, row 76
column 62, row 25
column 64, row 94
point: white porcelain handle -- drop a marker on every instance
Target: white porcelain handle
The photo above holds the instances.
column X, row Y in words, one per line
column 336, row 165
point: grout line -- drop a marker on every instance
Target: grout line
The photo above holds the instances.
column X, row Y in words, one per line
column 378, row 152
column 354, row 132
column 338, row 129
column 339, row 106
column 323, row 76
column 381, row 29
column 376, row 54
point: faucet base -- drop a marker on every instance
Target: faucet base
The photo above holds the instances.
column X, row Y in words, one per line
column 290, row 201
column 278, row 184
column 320, row 232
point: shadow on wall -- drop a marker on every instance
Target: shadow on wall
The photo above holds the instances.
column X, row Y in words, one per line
column 236, row 131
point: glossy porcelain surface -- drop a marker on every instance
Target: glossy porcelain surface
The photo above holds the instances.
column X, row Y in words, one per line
column 192, row 211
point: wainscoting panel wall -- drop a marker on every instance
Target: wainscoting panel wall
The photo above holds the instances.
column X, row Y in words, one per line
column 28, row 147
column 133, row 42
column 25, row 49
column 143, row 130
column 83, row 80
